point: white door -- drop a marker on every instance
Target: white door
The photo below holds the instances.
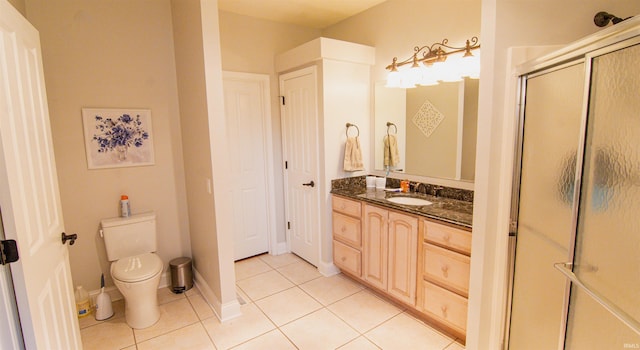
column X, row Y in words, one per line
column 247, row 110
column 300, row 147
column 29, row 196
column 10, row 333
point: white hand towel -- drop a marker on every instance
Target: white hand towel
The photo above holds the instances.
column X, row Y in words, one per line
column 353, row 155
column 391, row 153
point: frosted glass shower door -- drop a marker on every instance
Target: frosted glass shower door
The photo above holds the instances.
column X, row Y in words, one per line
column 552, row 134
column 607, row 252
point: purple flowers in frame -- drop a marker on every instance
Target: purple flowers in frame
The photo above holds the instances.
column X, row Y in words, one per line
column 117, row 137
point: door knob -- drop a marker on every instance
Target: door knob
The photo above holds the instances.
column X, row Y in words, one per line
column 311, row 184
column 71, row 238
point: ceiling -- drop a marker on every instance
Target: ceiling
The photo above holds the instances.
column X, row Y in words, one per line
column 317, row 14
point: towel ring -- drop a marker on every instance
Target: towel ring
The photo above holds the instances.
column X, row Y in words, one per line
column 389, row 124
column 350, row 125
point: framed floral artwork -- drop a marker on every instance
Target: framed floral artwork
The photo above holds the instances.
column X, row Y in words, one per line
column 117, row 137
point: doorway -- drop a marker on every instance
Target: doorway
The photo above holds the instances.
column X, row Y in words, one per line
column 29, row 194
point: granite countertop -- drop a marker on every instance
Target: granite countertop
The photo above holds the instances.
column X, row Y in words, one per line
column 449, row 210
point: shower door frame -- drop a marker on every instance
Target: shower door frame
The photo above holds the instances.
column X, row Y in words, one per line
column 606, row 41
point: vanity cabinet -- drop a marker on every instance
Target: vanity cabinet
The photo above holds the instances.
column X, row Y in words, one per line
column 347, row 235
column 420, row 262
column 443, row 270
column 390, row 243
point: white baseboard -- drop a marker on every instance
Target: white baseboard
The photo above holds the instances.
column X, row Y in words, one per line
column 113, row 292
column 328, row 269
column 280, row 248
column 325, row 268
column 224, row 312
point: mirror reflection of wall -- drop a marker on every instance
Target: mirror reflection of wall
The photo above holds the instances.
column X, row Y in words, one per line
column 390, row 107
column 436, row 128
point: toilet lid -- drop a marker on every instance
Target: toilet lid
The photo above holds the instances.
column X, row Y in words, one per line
column 136, row 268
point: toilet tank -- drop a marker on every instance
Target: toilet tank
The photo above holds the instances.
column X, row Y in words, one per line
column 133, row 235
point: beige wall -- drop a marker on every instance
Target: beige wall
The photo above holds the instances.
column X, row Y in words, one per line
column 434, row 154
column 19, row 5
column 250, row 45
column 189, row 54
column 199, row 71
column 99, row 55
column 469, row 129
column 395, row 27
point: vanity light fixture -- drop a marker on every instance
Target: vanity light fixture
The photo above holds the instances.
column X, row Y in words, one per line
column 431, row 64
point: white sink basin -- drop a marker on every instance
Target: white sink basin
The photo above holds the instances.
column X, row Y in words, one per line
column 409, row 201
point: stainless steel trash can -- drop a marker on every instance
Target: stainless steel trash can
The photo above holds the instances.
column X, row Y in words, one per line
column 181, row 275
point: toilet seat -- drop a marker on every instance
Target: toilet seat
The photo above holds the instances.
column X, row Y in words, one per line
column 136, row 268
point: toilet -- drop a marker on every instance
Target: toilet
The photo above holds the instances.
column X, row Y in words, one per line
column 135, row 268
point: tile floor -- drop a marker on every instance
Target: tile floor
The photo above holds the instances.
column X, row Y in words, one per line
column 288, row 305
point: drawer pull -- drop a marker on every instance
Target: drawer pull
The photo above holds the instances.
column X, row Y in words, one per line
column 445, row 271
column 446, row 238
column 444, row 311
column 343, row 229
column 344, row 258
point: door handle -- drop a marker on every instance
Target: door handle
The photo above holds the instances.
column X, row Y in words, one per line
column 566, row 270
column 71, row 238
column 310, row 184
column 8, row 251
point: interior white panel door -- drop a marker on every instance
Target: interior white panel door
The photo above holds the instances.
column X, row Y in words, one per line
column 29, row 196
column 247, row 113
column 10, row 332
column 300, row 142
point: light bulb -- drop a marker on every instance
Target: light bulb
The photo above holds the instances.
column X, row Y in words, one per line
column 471, row 66
column 450, row 69
column 409, row 78
column 427, row 77
column 393, row 79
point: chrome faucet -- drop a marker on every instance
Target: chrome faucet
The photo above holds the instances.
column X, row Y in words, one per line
column 436, row 190
column 418, row 187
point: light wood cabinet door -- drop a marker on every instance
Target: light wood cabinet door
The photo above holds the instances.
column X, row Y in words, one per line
column 448, row 237
column 346, row 206
column 403, row 254
column 347, row 258
column 445, row 306
column 347, row 229
column 375, row 246
column 447, row 268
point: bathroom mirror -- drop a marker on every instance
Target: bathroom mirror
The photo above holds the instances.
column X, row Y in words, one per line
column 435, row 127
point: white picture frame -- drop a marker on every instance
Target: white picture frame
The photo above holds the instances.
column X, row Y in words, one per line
column 117, row 137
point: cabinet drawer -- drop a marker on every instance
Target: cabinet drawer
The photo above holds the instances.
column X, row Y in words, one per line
column 446, row 268
column 445, row 306
column 449, row 237
column 346, row 206
column 347, row 258
column 347, row 229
